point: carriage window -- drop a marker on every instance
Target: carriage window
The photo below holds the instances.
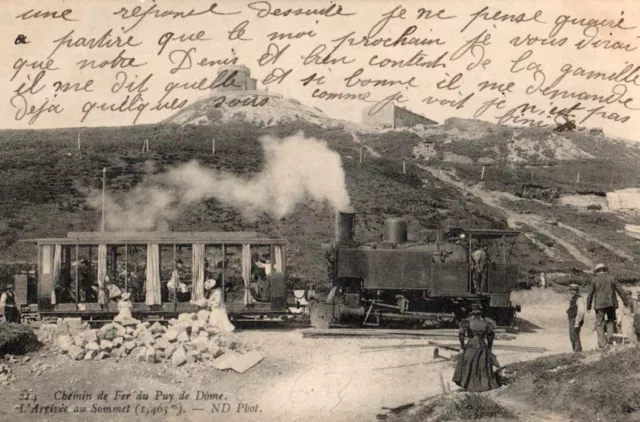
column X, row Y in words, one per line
column 176, row 273
column 136, row 268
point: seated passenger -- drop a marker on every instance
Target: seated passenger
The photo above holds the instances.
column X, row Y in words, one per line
column 218, row 318
column 175, row 286
column 124, row 311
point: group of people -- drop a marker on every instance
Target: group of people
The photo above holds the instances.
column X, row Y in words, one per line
column 610, row 318
column 477, row 368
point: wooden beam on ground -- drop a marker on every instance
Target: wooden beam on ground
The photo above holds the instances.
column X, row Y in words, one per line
column 391, row 334
column 451, row 345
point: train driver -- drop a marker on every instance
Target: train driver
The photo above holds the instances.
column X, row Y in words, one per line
column 480, row 265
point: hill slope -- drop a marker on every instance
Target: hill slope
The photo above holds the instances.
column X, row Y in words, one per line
column 46, row 182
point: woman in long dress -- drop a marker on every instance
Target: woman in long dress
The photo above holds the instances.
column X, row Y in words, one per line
column 124, row 311
column 218, row 318
column 474, row 370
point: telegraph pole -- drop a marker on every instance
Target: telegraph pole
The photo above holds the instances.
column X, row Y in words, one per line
column 104, row 183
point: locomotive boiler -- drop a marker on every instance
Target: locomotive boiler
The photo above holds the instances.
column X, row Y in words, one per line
column 425, row 282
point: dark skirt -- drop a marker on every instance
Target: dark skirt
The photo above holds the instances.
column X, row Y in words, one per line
column 474, row 371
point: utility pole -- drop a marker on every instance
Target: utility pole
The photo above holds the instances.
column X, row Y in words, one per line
column 104, row 183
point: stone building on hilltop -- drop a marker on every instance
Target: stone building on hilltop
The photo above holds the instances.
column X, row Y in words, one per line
column 393, row 116
column 242, row 81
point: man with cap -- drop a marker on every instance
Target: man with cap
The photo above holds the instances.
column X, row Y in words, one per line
column 8, row 303
column 602, row 295
column 576, row 317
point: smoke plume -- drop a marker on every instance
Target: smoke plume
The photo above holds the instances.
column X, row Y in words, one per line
column 297, row 169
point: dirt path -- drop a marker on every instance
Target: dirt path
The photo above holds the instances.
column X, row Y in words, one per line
column 514, row 219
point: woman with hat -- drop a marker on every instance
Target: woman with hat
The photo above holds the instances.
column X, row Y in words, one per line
column 218, row 318
column 474, row 370
column 124, row 310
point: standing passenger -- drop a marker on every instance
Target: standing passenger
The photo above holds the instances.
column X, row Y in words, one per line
column 602, row 295
column 8, row 303
column 474, row 370
column 576, row 317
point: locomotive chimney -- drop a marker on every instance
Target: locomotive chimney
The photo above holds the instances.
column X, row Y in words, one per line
column 395, row 230
column 345, row 232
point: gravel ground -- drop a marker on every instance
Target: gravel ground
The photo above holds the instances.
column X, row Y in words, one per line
column 299, row 379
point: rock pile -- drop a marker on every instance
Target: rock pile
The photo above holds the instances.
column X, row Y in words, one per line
column 187, row 339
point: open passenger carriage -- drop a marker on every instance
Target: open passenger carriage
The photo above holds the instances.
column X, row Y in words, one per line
column 165, row 272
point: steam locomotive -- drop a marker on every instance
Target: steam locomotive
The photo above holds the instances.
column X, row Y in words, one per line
column 428, row 282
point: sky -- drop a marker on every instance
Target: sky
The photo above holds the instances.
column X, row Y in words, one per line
column 515, row 69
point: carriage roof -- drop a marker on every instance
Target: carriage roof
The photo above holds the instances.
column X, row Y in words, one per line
column 141, row 238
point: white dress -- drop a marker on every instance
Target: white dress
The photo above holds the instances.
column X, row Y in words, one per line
column 218, row 318
column 124, row 313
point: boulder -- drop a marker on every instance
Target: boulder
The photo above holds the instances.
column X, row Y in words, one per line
column 212, row 331
column 183, row 337
column 135, row 351
column 65, row 343
column 189, row 346
column 168, row 352
column 106, row 345
column 118, row 341
column 157, row 328
column 181, row 327
column 76, row 352
column 116, row 353
column 102, row 355
column 123, row 351
column 129, row 345
column 193, row 356
column 187, row 317
column 206, row 356
column 90, row 336
column 128, row 337
column 173, row 321
column 214, row 349
column 90, row 355
column 141, row 356
column 203, row 315
column 105, row 328
column 129, row 330
column 92, row 346
column 110, row 335
column 159, row 355
column 162, row 343
column 171, row 335
column 150, row 355
column 203, row 334
column 199, row 324
column 201, row 343
column 120, row 329
column 79, row 340
column 179, row 357
column 145, row 324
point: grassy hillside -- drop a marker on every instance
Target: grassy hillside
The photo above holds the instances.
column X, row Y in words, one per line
column 45, row 182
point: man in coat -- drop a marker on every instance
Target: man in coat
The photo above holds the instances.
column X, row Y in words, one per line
column 602, row 296
column 575, row 312
column 480, row 263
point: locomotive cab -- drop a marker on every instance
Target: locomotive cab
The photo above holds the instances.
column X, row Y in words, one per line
column 428, row 281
